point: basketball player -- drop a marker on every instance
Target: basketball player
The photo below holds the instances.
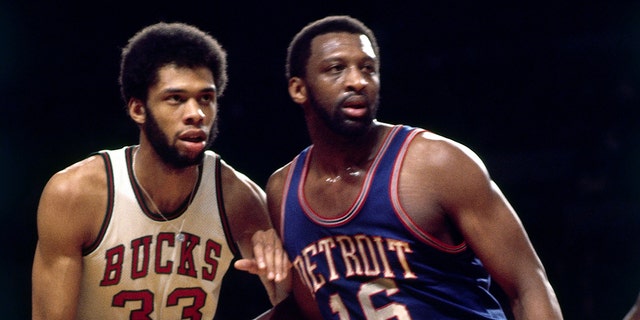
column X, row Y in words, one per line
column 387, row 221
column 149, row 230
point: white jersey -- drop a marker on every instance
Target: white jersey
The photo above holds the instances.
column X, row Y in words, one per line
column 138, row 268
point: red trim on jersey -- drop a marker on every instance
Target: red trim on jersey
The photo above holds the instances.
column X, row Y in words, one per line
column 137, row 191
column 285, row 192
column 364, row 189
column 109, row 211
column 223, row 213
column 402, row 214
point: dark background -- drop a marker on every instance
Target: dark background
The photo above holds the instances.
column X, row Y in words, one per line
column 545, row 92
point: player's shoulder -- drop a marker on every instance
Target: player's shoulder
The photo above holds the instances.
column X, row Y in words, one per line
column 81, row 177
column 244, row 200
column 232, row 176
column 421, row 137
column 278, row 178
column 440, row 150
column 237, row 186
column 76, row 195
column 281, row 173
column 73, row 203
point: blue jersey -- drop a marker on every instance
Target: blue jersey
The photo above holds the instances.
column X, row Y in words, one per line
column 373, row 262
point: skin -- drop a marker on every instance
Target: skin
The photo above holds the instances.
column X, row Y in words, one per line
column 634, row 312
column 443, row 185
column 73, row 203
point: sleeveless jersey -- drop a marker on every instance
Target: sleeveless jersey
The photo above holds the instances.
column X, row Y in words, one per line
column 373, row 262
column 138, row 269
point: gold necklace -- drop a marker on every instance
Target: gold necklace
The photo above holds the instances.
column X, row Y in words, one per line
column 179, row 235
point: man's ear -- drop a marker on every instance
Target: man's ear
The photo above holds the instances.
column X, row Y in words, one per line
column 298, row 90
column 137, row 110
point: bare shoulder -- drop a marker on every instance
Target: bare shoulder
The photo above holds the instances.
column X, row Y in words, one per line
column 74, row 201
column 245, row 204
column 445, row 169
column 277, row 180
column 238, row 186
column 79, row 179
column 444, row 161
column 440, row 151
column 275, row 188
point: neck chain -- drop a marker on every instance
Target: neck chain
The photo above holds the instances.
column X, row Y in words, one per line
column 179, row 235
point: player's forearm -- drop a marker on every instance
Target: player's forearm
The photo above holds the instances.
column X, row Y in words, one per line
column 47, row 306
column 55, row 291
column 542, row 312
column 277, row 291
column 538, row 304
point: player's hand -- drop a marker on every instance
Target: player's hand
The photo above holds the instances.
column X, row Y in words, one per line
column 271, row 263
column 269, row 258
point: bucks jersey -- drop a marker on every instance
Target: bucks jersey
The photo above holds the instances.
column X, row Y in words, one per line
column 143, row 266
column 373, row 262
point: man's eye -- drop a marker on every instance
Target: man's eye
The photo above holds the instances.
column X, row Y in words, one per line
column 174, row 98
column 369, row 68
column 336, row 68
column 207, row 98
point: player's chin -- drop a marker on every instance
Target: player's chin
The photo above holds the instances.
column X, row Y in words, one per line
column 355, row 126
column 188, row 160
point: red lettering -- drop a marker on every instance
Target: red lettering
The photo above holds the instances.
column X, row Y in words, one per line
column 169, row 239
column 167, row 259
column 138, row 271
column 187, row 264
column 145, row 298
column 113, row 267
column 197, row 295
column 212, row 248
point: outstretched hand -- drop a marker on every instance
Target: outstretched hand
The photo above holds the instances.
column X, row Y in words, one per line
column 270, row 262
column 269, row 258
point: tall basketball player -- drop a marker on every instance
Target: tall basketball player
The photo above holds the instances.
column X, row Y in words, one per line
column 149, row 230
column 389, row 221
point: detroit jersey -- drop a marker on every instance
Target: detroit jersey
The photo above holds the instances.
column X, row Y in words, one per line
column 373, row 262
column 139, row 268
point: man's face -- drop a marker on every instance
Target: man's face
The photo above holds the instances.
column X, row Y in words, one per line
column 181, row 112
column 342, row 82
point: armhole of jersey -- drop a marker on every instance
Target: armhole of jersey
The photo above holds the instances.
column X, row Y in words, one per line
column 285, row 194
column 403, row 216
column 223, row 213
column 110, row 199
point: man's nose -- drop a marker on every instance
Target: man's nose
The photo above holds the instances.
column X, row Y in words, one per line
column 193, row 112
column 355, row 79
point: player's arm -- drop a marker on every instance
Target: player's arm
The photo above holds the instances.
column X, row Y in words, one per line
column 261, row 249
column 634, row 312
column 493, row 230
column 300, row 303
column 65, row 218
